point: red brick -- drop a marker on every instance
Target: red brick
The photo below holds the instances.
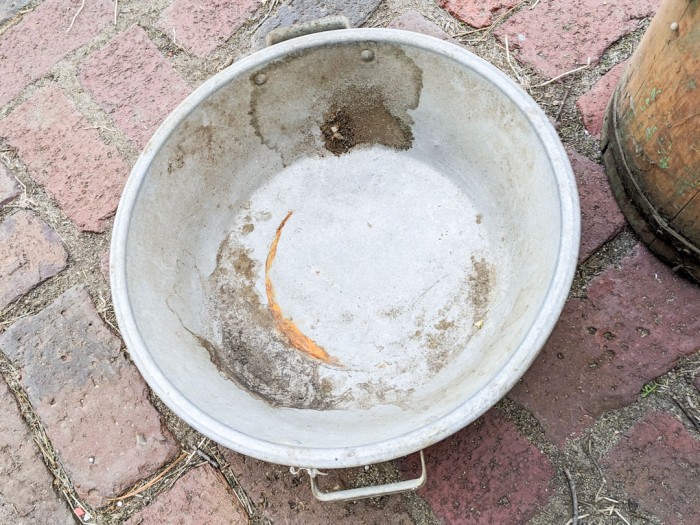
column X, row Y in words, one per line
column 89, row 396
column 638, row 319
column 66, row 156
column 592, row 105
column 658, row 463
column 30, row 253
column 31, row 48
column 9, row 188
column 201, row 496
column 203, row 25
column 477, row 13
column 412, row 20
column 559, row 35
column 26, row 494
column 601, row 218
column 283, row 498
column 485, row 474
column 133, row 82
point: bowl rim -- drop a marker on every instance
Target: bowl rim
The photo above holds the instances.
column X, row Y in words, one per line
column 427, row 434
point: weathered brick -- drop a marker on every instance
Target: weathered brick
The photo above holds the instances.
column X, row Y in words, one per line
column 133, row 82
column 26, row 494
column 412, row 20
column 601, row 218
column 657, row 463
column 31, row 48
column 9, row 189
column 201, row 496
column 202, row 26
column 592, row 104
column 288, row 499
column 89, row 396
column 66, row 156
column 30, row 253
column 477, row 13
column 559, row 35
column 637, row 320
column 9, row 8
column 486, row 473
column 298, row 11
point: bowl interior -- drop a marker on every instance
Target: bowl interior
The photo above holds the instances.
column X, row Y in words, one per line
column 344, row 248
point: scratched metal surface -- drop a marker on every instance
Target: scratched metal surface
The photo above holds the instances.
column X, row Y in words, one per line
column 350, row 257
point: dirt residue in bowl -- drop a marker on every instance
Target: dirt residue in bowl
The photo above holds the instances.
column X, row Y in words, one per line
column 480, row 281
column 363, row 118
column 251, row 352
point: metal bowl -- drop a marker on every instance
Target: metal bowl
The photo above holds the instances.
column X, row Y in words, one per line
column 344, row 247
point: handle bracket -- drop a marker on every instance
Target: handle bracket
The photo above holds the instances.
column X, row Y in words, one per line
column 369, row 492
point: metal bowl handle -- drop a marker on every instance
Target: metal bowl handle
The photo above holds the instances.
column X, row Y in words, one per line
column 329, row 23
column 367, row 492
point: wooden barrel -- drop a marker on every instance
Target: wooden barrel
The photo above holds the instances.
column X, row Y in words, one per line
column 651, row 137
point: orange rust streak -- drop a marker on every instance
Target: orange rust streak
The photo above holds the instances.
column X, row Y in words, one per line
column 297, row 339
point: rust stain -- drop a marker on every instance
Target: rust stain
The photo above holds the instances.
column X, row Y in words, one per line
column 287, row 327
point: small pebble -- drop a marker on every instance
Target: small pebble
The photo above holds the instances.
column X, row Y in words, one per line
column 674, row 26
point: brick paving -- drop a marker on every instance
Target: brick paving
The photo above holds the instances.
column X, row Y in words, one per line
column 477, row 14
column 26, row 493
column 658, row 462
column 601, row 218
column 299, row 11
column 31, row 48
column 284, row 498
column 592, row 104
column 486, row 473
column 562, row 35
column 10, row 9
column 200, row 27
column 89, row 397
column 634, row 323
column 201, row 496
column 31, row 252
column 413, row 20
column 9, row 187
column 133, row 83
column 66, row 155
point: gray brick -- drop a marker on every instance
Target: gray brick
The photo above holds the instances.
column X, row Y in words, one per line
column 299, row 11
column 89, row 396
column 26, row 495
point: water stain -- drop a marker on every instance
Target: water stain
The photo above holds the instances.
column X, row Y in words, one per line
column 329, row 99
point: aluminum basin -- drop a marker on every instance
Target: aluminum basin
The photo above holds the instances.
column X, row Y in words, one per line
column 344, row 247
